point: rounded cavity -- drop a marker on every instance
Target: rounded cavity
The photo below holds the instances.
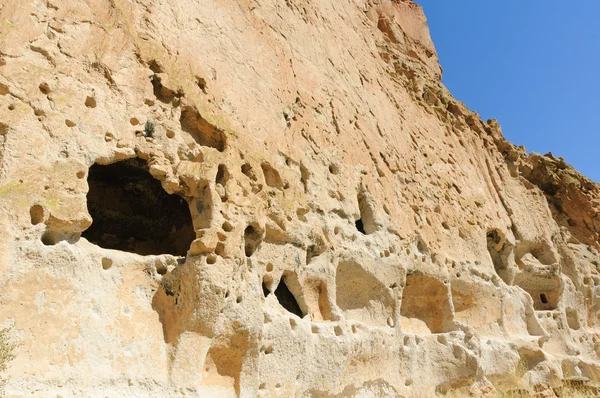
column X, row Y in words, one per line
column 107, row 263
column 37, row 214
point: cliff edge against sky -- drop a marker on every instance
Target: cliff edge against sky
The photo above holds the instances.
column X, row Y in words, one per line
column 274, row 198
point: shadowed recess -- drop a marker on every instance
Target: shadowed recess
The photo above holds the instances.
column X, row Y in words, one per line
column 287, row 299
column 131, row 211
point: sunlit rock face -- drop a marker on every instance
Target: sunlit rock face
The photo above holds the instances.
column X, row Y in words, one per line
column 269, row 198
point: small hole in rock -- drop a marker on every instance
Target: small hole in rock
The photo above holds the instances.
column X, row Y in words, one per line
column 252, row 239
column 248, row 172
column 211, row 259
column 293, row 324
column 333, row 169
column 269, row 267
column 80, row 174
column 48, row 239
column 37, row 214
column 220, row 249
column 543, row 298
column 239, row 299
column 227, row 227
column 69, row 123
column 11, row 107
column 44, row 88
column 161, row 269
column 265, row 289
column 338, row 331
column 134, row 121
column 90, row 102
column 170, row 134
column 201, row 82
column 314, row 329
column 106, row 263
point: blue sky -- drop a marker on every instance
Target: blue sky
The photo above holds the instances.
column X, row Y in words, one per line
column 532, row 64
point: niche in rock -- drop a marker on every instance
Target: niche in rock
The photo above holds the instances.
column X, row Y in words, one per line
column 131, row 211
column 500, row 251
column 286, row 298
column 573, row 319
column 203, row 132
column 272, row 177
column 221, row 179
column 361, row 296
column 544, row 289
column 535, row 254
column 265, row 289
column 223, row 175
column 252, row 239
column 366, row 224
column 425, row 307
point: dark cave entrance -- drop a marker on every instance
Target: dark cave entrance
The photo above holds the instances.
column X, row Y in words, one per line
column 360, row 227
column 132, row 212
column 286, row 299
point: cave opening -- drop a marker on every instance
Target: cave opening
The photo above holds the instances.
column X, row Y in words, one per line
column 132, row 212
column 360, row 227
column 287, row 300
column 366, row 224
column 265, row 289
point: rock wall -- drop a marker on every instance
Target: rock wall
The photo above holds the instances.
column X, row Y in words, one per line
column 274, row 198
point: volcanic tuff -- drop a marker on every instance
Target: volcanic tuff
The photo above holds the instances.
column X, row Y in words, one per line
column 274, row 198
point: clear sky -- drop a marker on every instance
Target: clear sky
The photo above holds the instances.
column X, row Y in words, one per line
column 532, row 64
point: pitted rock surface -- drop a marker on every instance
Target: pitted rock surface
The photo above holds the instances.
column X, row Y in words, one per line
column 274, row 198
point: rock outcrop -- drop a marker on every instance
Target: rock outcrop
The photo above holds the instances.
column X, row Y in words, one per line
column 274, row 198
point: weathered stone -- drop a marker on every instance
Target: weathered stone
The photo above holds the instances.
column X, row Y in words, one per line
column 258, row 198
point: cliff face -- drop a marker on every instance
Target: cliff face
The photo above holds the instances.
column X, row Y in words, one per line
column 274, row 198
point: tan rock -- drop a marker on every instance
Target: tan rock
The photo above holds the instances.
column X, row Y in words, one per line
column 258, row 198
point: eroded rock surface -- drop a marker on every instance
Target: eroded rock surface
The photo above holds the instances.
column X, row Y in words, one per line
column 274, row 198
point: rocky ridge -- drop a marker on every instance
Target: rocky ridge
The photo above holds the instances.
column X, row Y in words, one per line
column 275, row 198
